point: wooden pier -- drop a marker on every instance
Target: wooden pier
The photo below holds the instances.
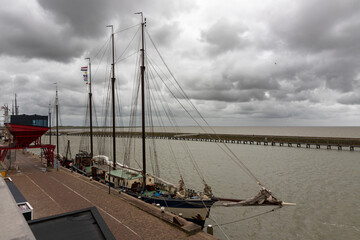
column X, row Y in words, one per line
column 272, row 140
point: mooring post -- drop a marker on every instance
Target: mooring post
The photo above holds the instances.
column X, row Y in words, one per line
column 210, row 230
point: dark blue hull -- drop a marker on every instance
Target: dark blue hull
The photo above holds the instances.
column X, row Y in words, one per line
column 194, row 210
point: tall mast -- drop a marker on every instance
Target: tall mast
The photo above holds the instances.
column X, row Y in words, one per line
column 57, row 127
column 16, row 106
column 90, row 106
column 50, row 122
column 142, row 69
column 113, row 95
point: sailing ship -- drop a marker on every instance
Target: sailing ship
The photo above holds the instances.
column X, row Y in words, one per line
column 176, row 198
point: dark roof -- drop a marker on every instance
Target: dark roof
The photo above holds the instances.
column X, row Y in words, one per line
column 29, row 120
column 82, row 224
column 19, row 198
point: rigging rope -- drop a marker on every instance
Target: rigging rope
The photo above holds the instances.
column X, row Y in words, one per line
column 127, row 28
column 254, row 216
column 230, row 153
column 127, row 46
column 185, row 146
column 217, row 224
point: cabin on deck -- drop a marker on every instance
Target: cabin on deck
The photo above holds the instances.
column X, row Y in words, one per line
column 82, row 163
column 126, row 178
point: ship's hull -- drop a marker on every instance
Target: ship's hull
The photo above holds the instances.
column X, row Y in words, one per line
column 194, row 210
column 192, row 207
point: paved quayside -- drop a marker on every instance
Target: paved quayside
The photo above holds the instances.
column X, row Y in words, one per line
column 53, row 192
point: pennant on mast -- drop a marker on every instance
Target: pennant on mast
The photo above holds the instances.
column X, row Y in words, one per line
column 85, row 75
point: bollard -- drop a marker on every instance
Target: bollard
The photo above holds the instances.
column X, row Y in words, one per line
column 210, row 230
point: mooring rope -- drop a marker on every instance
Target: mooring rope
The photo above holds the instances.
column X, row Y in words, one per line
column 247, row 218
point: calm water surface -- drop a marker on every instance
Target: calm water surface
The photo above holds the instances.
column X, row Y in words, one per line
column 323, row 183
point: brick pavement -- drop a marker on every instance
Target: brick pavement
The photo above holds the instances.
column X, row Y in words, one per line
column 54, row 192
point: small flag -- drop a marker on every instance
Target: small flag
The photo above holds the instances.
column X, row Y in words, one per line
column 85, row 75
column 84, row 69
column 85, row 79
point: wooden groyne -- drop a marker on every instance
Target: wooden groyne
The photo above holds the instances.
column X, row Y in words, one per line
column 272, row 140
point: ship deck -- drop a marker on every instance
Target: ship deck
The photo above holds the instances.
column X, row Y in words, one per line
column 53, row 192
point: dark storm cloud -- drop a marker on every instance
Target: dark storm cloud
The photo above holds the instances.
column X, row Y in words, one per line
column 85, row 18
column 339, row 73
column 88, row 18
column 228, row 96
column 165, row 34
column 326, row 33
column 315, row 47
column 224, row 36
column 315, row 26
column 269, row 111
column 32, row 35
column 233, row 84
column 250, row 82
column 63, row 30
column 296, row 60
column 350, row 99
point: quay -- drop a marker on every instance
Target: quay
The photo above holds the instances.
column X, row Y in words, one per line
column 51, row 192
column 272, row 140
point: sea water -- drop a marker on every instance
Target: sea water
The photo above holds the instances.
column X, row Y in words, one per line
column 324, row 184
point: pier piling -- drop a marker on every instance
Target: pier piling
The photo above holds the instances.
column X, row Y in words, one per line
column 328, row 142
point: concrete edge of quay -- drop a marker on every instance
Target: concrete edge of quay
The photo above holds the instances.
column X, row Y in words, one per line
column 175, row 223
column 179, row 222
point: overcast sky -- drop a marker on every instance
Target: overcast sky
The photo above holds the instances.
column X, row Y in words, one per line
column 243, row 63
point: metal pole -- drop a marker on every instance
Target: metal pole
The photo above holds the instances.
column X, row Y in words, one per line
column 109, row 177
column 50, row 122
column 57, row 129
column 16, row 106
column 113, row 96
column 90, row 106
column 142, row 68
